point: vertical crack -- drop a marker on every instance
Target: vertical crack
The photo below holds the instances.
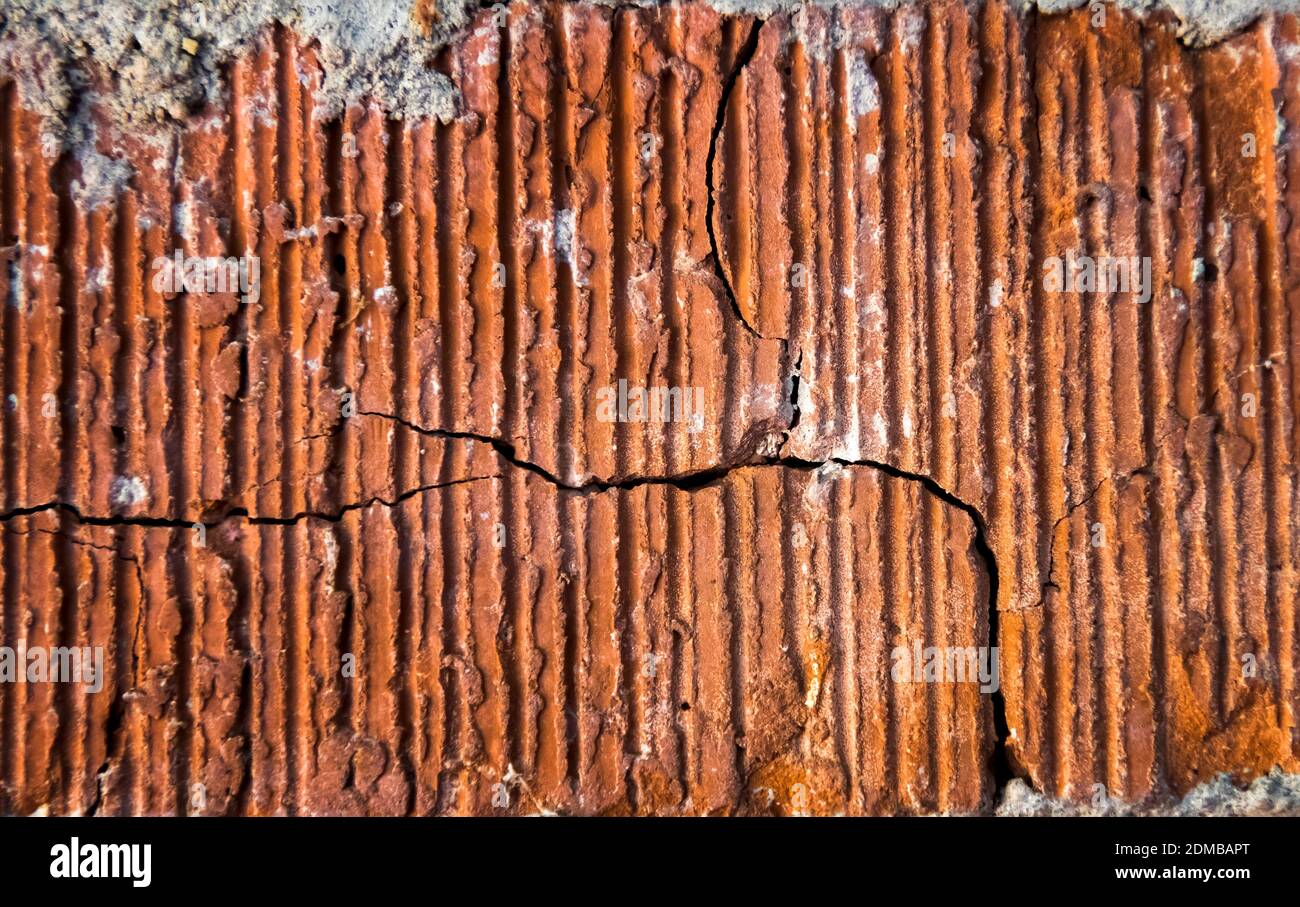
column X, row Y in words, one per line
column 743, row 56
column 796, row 378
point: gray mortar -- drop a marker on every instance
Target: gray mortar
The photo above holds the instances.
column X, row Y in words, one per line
column 1274, row 794
column 371, row 49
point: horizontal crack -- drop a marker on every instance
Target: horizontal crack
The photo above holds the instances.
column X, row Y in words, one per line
column 240, row 513
column 687, row 481
column 999, row 762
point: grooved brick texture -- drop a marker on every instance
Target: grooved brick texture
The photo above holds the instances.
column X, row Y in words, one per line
column 399, row 461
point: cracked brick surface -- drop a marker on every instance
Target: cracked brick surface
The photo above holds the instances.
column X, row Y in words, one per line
column 395, row 457
column 650, row 649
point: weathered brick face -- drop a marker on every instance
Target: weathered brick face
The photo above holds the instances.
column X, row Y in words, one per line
column 394, row 528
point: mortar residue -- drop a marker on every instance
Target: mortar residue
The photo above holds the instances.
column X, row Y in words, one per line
column 1274, row 794
column 164, row 57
